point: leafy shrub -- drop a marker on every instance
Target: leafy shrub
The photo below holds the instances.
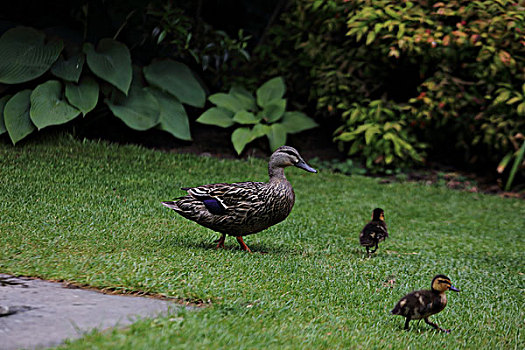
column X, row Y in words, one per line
column 306, row 42
column 79, row 76
column 458, row 65
column 379, row 133
column 191, row 39
column 263, row 115
column 347, row 166
column 476, row 89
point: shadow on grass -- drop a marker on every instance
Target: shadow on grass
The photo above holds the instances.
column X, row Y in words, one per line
column 360, row 253
column 209, row 244
column 206, row 241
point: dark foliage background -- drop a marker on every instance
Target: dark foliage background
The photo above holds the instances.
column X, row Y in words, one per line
column 400, row 84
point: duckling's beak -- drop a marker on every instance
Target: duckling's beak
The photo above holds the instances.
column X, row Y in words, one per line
column 302, row 164
column 452, row 288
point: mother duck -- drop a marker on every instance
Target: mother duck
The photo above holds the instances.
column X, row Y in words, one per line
column 243, row 208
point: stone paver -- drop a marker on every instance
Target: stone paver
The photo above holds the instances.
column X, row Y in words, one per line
column 36, row 313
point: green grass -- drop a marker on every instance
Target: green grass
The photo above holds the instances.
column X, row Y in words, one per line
column 90, row 212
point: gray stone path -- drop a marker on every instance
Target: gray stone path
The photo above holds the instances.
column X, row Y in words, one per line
column 36, row 313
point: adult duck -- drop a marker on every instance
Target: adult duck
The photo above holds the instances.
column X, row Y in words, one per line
column 243, row 208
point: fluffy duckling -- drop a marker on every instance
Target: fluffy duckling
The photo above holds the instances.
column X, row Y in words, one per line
column 374, row 232
column 243, row 208
column 423, row 303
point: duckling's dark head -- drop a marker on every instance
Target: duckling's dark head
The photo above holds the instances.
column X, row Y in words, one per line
column 442, row 283
column 378, row 214
column 287, row 156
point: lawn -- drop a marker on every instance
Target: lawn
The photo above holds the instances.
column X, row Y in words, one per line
column 90, row 212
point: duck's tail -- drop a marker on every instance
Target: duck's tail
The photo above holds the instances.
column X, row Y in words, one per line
column 181, row 207
column 172, row 205
column 366, row 241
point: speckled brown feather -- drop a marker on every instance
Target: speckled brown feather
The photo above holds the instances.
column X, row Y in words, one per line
column 250, row 206
column 420, row 304
column 373, row 232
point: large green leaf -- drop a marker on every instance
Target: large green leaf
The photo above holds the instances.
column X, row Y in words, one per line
column 69, row 69
column 295, row 122
column 48, row 107
column 217, row 116
column 346, row 136
column 16, row 116
column 173, row 117
column 245, row 117
column 396, row 141
column 274, row 110
column 226, row 101
column 24, row 55
column 244, row 97
column 83, row 95
column 139, row 110
column 241, row 137
column 111, row 62
column 273, row 89
column 259, row 130
column 370, row 132
column 276, row 136
column 177, row 79
column 3, row 101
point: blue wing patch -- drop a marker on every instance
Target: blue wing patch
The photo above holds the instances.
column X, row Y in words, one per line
column 214, row 206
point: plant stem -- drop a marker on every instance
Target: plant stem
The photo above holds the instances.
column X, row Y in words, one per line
column 514, row 170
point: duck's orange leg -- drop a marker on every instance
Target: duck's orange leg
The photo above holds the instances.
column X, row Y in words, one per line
column 220, row 241
column 243, row 245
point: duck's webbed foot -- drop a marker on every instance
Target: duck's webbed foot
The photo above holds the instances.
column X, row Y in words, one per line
column 375, row 248
column 220, row 241
column 243, row 245
column 427, row 321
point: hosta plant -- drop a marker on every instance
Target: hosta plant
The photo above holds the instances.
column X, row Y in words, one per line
column 256, row 116
column 70, row 81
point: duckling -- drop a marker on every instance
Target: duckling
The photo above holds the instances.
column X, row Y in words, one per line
column 374, row 232
column 423, row 303
column 243, row 208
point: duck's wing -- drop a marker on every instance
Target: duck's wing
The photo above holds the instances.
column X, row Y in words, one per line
column 417, row 305
column 429, row 303
column 218, row 198
column 374, row 231
column 382, row 230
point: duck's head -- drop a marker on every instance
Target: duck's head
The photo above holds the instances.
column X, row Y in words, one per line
column 442, row 283
column 378, row 214
column 285, row 156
